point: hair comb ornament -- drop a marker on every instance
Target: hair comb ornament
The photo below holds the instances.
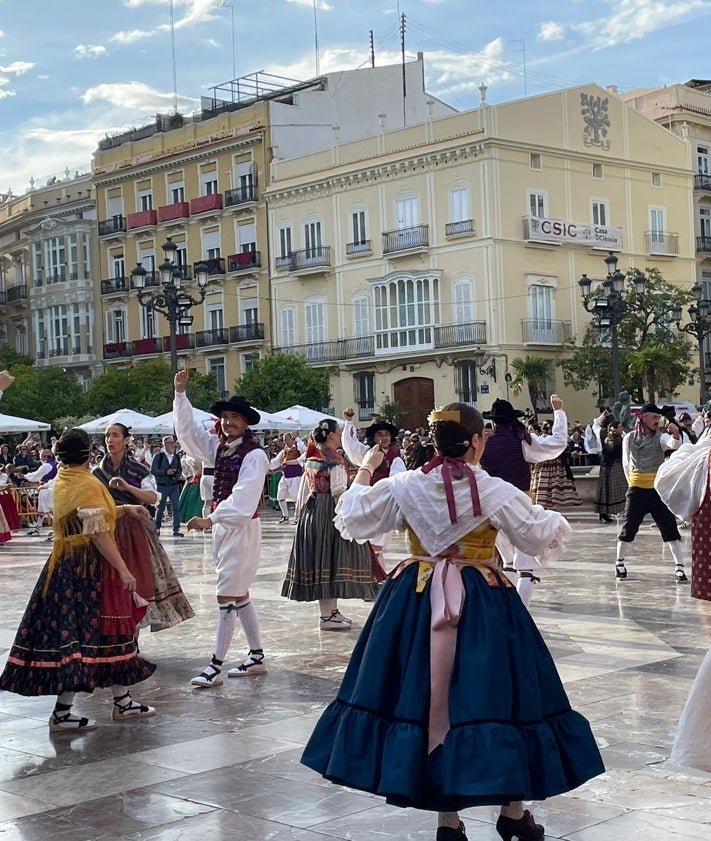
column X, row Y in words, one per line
column 442, row 415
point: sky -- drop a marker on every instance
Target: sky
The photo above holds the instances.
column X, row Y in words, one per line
column 73, row 71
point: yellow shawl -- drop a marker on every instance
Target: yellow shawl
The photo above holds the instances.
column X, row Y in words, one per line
column 75, row 488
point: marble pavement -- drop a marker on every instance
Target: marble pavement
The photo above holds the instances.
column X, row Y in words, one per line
column 224, row 763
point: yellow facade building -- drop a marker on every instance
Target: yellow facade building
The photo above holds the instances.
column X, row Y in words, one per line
column 417, row 264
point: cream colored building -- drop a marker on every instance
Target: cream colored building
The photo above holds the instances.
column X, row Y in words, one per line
column 200, row 181
column 685, row 110
column 48, row 275
column 418, row 263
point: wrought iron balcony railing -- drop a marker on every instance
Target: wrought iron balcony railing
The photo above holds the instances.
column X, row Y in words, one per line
column 247, row 332
column 468, row 333
column 337, row 350
column 362, row 247
column 114, row 284
column 215, row 265
column 459, row 229
column 662, row 242
column 241, row 195
column 702, row 181
column 17, row 293
column 405, row 239
column 703, row 243
column 115, row 225
column 208, row 338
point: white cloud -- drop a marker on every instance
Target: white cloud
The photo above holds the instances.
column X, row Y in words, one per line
column 5, row 93
column 550, row 31
column 635, row 19
column 15, row 68
column 89, row 50
column 323, row 5
column 196, row 12
column 135, row 96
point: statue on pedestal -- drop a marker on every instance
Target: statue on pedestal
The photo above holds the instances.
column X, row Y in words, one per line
column 621, row 411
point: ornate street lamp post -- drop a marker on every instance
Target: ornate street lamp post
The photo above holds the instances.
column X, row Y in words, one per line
column 171, row 301
column 699, row 327
column 609, row 307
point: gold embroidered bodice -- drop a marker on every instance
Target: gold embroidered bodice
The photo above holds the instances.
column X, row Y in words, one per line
column 477, row 545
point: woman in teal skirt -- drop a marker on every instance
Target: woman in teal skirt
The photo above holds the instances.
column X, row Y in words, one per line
column 451, row 698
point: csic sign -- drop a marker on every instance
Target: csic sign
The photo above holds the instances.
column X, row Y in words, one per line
column 581, row 233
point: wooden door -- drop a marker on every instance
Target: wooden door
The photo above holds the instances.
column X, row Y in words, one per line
column 415, row 398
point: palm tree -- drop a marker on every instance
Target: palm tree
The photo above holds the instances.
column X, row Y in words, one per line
column 534, row 371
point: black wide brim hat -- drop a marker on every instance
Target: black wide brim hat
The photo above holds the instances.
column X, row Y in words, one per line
column 651, row 407
column 502, row 412
column 238, row 405
column 380, row 426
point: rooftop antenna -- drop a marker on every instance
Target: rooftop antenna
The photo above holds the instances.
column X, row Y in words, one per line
column 172, row 51
column 372, row 49
column 229, row 4
column 403, row 23
column 522, row 42
column 318, row 68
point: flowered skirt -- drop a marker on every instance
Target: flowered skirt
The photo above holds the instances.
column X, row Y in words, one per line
column 59, row 646
column 512, row 736
column 323, row 565
column 156, row 580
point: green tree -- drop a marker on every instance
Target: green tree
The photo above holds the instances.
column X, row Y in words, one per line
column 283, row 380
column 390, row 412
column 654, row 358
column 43, row 394
column 202, row 390
column 108, row 392
column 534, row 372
column 10, row 359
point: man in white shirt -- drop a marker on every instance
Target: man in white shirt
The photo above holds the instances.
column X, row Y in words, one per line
column 240, row 469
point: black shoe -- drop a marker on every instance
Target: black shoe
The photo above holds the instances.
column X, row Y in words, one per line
column 446, row 833
column 525, row 828
column 620, row 570
column 605, row 518
column 681, row 576
column 178, row 534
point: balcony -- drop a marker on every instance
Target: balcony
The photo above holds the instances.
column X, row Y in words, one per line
column 243, row 261
column 117, row 350
column 142, row 219
column 316, row 260
column 143, row 346
column 366, row 410
column 177, row 210
column 543, row 331
column 410, row 239
column 465, row 228
column 206, row 204
column 359, row 249
column 215, row 265
column 17, row 293
column 703, row 243
column 335, row 351
column 38, row 281
column 283, row 262
column 241, row 195
column 115, row 225
column 113, row 285
column 61, row 348
column 452, row 335
column 661, row 242
column 702, row 181
column 208, row 338
column 183, row 341
column 55, row 276
column 247, row 333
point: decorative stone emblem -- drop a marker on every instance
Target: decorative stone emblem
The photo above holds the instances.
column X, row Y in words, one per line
column 597, row 120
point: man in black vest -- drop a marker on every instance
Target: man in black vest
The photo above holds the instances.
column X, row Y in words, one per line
column 168, row 472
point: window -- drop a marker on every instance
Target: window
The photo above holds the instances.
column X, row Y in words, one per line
column 705, row 224
column 406, row 311
column 542, row 327
column 287, row 324
column 73, row 256
column 361, row 316
column 657, row 230
column 76, row 328
column 599, row 212
column 463, row 299
column 250, row 311
column 40, row 335
column 315, row 322
column 216, row 366
column 208, row 180
column 85, row 255
column 364, row 394
column 115, row 208
column 244, row 178
column 702, row 160
column 656, row 179
column 312, row 239
column 459, row 204
column 537, row 204
column 58, row 331
column 176, row 189
column 148, row 323
column 115, row 326
column 211, row 243
column 55, row 258
column 145, row 200
column 21, row 339
column 706, row 285
column 249, row 361
column 37, row 262
column 284, row 241
column 214, row 318
column 465, row 381
column 597, row 170
column 407, row 212
column 118, row 266
column 247, row 237
column 358, row 227
column 536, row 161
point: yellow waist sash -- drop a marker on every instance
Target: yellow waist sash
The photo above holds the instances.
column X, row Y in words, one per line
column 642, row 480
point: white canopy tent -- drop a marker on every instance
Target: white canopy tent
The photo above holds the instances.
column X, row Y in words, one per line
column 306, row 419
column 9, row 424
column 138, row 424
